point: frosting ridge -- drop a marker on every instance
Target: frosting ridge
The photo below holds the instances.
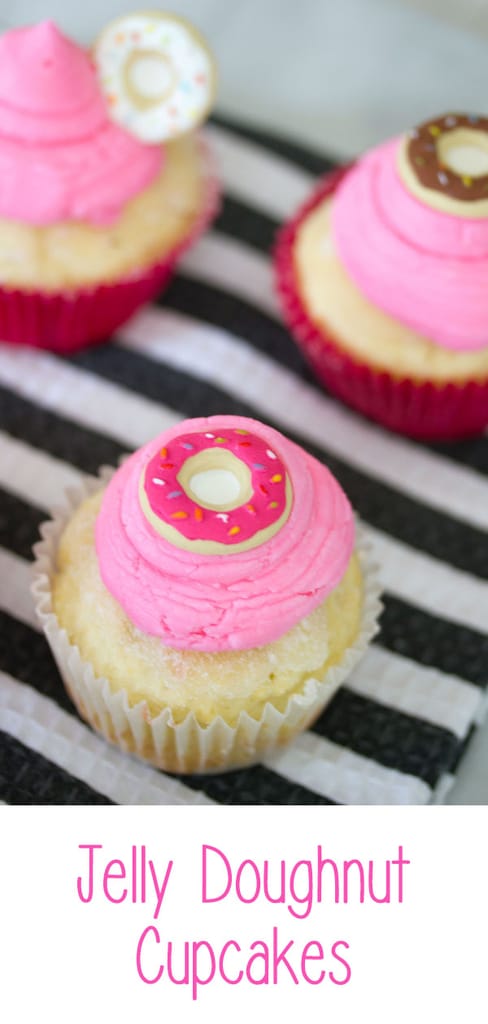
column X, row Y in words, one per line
column 426, row 268
column 237, row 600
column 61, row 157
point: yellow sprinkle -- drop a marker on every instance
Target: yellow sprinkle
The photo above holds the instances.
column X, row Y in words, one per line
column 273, row 504
column 277, row 478
column 220, row 440
column 233, row 530
column 434, row 129
column 179, row 515
column 467, row 181
column 241, row 431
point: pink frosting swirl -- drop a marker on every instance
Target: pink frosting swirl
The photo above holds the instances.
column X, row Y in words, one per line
column 61, row 158
column 233, row 601
column 427, row 269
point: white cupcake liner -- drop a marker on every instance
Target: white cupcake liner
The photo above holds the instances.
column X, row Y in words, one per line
column 186, row 746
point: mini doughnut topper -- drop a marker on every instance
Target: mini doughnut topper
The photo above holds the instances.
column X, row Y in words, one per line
column 216, row 492
column 157, row 74
column 444, row 163
column 221, row 534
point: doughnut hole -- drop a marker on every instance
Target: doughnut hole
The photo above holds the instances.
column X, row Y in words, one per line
column 464, row 151
column 216, row 479
column 209, row 684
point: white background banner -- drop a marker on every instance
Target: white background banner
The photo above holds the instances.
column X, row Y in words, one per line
column 138, row 913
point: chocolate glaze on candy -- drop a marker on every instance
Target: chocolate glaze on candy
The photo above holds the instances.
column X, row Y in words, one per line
column 426, row 162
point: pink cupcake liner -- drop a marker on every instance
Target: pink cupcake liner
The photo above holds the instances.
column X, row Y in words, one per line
column 425, row 411
column 65, row 321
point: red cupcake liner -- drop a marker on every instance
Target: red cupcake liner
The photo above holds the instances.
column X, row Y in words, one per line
column 65, row 321
column 426, row 411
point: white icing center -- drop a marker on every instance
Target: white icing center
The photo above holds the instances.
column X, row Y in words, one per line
column 151, row 76
column 464, row 151
column 217, row 487
column 468, row 160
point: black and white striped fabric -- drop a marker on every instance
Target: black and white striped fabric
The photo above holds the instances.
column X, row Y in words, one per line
column 215, row 344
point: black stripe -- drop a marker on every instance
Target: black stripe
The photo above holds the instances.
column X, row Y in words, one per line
column 295, row 152
column 439, row 534
column 50, row 431
column 29, row 778
column 472, row 453
column 434, row 642
column 19, row 524
column 221, row 309
column 26, row 655
column 238, row 220
column 396, row 740
column 256, row 785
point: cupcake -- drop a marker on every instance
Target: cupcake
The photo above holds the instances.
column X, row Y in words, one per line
column 103, row 181
column 204, row 605
column 383, row 279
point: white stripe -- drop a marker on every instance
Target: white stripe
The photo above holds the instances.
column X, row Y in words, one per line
column 451, row 593
column 34, row 475
column 443, row 788
column 82, row 397
column 430, row 584
column 15, row 581
column 259, row 177
column 213, row 354
column 234, row 267
column 426, row 693
column 40, row 724
column 341, row 775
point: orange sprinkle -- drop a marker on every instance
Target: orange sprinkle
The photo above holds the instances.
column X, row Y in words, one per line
column 112, row 99
column 179, row 515
column 277, row 478
column 198, row 515
column 119, row 37
column 164, row 453
column 233, row 530
column 273, row 504
column 251, row 509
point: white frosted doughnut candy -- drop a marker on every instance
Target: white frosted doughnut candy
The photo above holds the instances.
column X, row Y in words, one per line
column 157, row 74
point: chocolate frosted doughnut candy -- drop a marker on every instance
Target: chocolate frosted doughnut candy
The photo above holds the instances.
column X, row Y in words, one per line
column 157, row 74
column 216, row 493
column 444, row 162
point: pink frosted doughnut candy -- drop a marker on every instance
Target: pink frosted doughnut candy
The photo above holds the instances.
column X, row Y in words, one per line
column 261, row 503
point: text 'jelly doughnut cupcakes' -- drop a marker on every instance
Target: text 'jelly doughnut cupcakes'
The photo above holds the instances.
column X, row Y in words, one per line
column 383, row 280
column 232, row 596
column 103, row 179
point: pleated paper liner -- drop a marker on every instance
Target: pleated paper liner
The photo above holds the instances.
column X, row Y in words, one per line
column 186, row 746
column 427, row 411
column 68, row 320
